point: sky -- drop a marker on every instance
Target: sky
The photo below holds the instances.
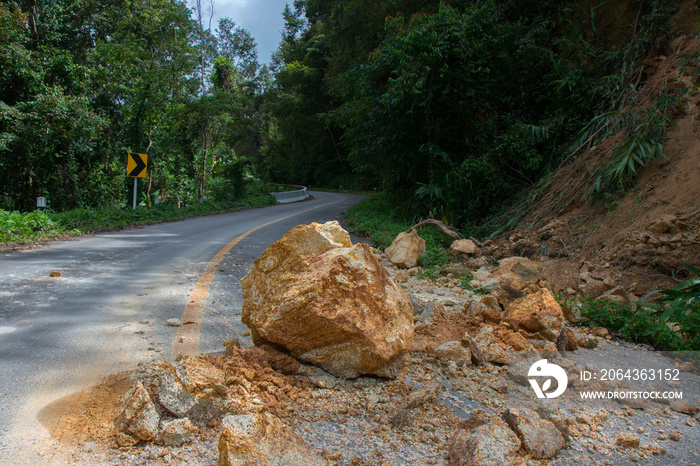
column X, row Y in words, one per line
column 262, row 18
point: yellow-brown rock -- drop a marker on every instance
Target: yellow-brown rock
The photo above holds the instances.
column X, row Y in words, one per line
column 262, row 439
column 406, row 249
column 538, row 312
column 515, row 340
column 328, row 304
column 466, row 247
column 517, row 272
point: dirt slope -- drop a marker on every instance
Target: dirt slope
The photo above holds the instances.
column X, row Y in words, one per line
column 619, row 232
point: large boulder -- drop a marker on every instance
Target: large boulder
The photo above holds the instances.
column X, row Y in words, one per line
column 261, row 438
column 406, row 249
column 328, row 303
column 536, row 313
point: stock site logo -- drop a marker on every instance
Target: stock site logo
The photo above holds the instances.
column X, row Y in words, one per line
column 542, row 368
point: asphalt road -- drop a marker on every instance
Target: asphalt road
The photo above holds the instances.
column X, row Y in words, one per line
column 108, row 309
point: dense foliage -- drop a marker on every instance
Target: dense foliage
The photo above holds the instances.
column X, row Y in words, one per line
column 16, row 227
column 450, row 107
column 85, row 81
column 453, row 107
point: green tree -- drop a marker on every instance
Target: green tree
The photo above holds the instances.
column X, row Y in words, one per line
column 302, row 146
column 437, row 110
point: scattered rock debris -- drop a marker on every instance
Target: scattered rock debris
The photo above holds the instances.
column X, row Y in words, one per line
column 465, row 398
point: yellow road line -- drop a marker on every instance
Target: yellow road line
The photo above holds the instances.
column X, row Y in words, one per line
column 187, row 339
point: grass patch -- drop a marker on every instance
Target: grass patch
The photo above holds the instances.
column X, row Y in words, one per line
column 465, row 283
column 105, row 219
column 35, row 226
column 372, row 218
column 647, row 323
column 671, row 324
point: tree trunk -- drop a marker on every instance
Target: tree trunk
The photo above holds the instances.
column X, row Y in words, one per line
column 148, row 189
column 32, row 23
column 440, row 226
column 150, row 172
column 203, row 179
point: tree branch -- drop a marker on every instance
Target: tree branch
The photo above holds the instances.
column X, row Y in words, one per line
column 440, row 226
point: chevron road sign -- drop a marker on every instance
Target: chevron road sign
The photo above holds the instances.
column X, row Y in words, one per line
column 136, row 168
column 136, row 165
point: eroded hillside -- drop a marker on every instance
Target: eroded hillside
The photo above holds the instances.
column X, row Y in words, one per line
column 647, row 230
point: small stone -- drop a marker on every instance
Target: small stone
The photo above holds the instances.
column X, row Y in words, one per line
column 172, row 394
column 683, row 406
column 633, row 403
column 454, row 351
column 515, row 340
column 501, row 386
column 686, row 367
column 491, row 315
column 452, row 369
column 464, row 246
column 173, row 322
column 663, row 224
column 401, row 276
column 540, row 437
column 262, row 439
column 675, row 436
column 55, row 274
column 538, row 312
column 125, row 441
column 493, row 444
column 177, row 432
column 628, row 440
column 406, row 249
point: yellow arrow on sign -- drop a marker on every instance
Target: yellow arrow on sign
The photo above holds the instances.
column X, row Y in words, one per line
column 136, row 165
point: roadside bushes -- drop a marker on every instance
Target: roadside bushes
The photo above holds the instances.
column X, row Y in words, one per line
column 672, row 323
column 15, row 226
column 18, row 227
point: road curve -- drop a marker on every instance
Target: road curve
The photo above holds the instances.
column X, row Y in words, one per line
column 107, row 311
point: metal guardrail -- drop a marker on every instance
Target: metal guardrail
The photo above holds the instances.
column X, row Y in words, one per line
column 291, row 196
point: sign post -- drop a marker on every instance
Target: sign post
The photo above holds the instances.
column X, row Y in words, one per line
column 136, row 167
